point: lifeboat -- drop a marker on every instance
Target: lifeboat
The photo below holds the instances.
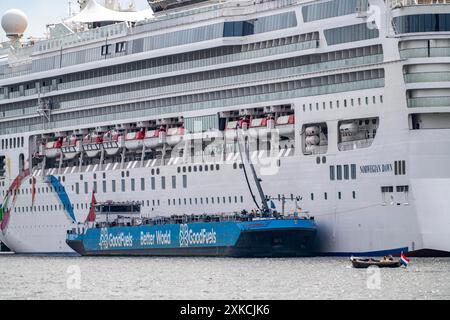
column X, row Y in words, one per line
column 53, row 148
column 258, row 127
column 155, row 138
column 286, row 125
column 135, row 140
column 174, row 136
column 245, row 123
column 112, row 142
column 258, row 123
column 70, row 147
column 92, row 145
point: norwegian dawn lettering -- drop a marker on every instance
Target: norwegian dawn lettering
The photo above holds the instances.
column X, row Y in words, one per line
column 376, row 168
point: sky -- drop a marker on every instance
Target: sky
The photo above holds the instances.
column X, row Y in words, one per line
column 43, row 12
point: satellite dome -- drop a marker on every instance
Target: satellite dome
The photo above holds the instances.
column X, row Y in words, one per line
column 14, row 22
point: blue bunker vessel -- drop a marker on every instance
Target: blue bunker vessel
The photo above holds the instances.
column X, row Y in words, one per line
column 114, row 233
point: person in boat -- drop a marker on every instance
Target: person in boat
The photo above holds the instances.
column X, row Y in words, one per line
column 387, row 259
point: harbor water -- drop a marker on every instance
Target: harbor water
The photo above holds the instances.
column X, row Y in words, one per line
column 39, row 277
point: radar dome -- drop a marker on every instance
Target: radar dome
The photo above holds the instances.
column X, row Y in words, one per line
column 14, row 22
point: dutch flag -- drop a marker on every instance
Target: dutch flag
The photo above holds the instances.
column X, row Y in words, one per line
column 404, row 260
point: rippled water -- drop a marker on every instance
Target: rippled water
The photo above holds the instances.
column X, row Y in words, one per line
column 27, row 277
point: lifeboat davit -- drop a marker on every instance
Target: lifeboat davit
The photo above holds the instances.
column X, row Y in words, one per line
column 135, row 140
column 113, row 141
column 92, row 145
column 230, row 130
column 53, row 148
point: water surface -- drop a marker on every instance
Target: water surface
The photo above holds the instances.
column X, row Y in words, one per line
column 36, row 277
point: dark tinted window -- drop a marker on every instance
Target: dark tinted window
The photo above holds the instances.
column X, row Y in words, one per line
column 422, row 23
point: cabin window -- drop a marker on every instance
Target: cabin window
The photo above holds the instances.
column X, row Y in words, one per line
column 113, row 185
column 104, row 186
column 153, row 183
column 174, row 182
column 106, row 49
column 163, row 183
column 133, row 185
column 120, row 47
column 142, row 184
column 339, row 172
column 353, row 169
column 122, row 182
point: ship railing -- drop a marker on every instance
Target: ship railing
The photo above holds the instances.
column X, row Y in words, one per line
column 171, row 19
column 151, row 162
column 408, row 3
column 203, row 218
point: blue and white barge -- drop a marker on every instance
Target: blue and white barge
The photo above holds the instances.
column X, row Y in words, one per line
column 239, row 235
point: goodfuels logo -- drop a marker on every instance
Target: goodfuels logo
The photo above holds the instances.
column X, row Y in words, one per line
column 108, row 240
column 190, row 238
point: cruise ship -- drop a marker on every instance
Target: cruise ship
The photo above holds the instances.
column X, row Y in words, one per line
column 345, row 105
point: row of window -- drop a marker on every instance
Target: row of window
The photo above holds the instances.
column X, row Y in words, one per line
column 12, row 143
column 148, row 203
column 343, row 172
column 260, row 25
column 292, row 66
column 400, row 168
column 160, row 65
column 206, row 200
column 387, row 193
column 132, row 185
column 166, row 40
column 334, row 8
column 260, row 93
column 345, row 103
column 422, row 23
column 339, row 196
column 119, row 47
column 357, row 32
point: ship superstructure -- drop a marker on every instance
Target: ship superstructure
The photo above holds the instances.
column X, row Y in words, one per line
column 347, row 103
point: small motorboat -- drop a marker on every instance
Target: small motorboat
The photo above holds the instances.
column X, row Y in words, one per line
column 386, row 262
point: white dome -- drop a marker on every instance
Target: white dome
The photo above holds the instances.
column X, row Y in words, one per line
column 14, row 22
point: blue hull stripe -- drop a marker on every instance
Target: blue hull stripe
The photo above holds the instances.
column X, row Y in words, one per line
column 63, row 197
